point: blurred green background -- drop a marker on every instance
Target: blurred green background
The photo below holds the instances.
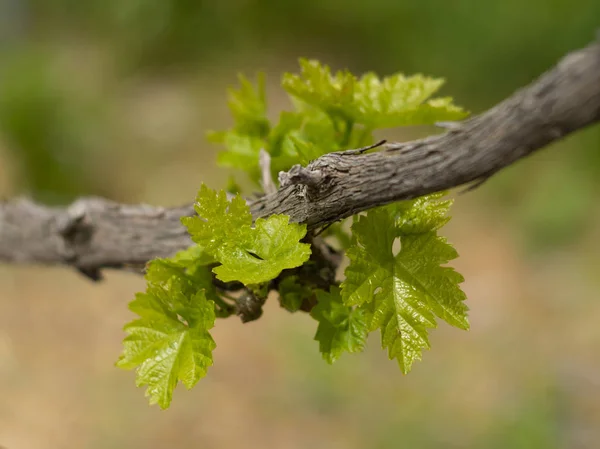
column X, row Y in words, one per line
column 113, row 98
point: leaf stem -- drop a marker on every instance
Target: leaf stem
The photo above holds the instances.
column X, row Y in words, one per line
column 226, row 308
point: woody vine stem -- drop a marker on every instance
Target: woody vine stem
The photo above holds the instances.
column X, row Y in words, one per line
column 94, row 233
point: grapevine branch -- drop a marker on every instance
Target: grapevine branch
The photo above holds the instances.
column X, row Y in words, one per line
column 94, row 233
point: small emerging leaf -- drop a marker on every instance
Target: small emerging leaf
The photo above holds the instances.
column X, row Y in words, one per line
column 242, row 151
column 243, row 143
column 397, row 100
column 292, row 293
column 251, row 255
column 260, row 255
column 341, row 328
column 218, row 220
column 316, row 86
column 170, row 341
column 401, row 100
column 249, row 107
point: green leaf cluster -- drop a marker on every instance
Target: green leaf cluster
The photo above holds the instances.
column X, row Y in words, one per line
column 396, row 100
column 246, row 253
column 170, row 341
column 397, row 280
column 332, row 112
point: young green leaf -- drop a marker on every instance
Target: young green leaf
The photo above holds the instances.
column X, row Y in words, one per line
column 301, row 137
column 399, row 100
column 192, row 258
column 292, row 293
column 316, row 86
column 219, row 220
column 423, row 214
column 249, row 107
column 190, row 265
column 251, row 255
column 396, row 100
column 272, row 246
column 242, row 151
column 243, row 143
column 170, row 341
column 341, row 328
column 402, row 292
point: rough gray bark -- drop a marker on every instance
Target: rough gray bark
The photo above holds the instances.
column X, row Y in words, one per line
column 94, row 233
column 337, row 185
column 90, row 234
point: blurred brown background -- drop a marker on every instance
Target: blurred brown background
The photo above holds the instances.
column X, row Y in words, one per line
column 112, row 98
